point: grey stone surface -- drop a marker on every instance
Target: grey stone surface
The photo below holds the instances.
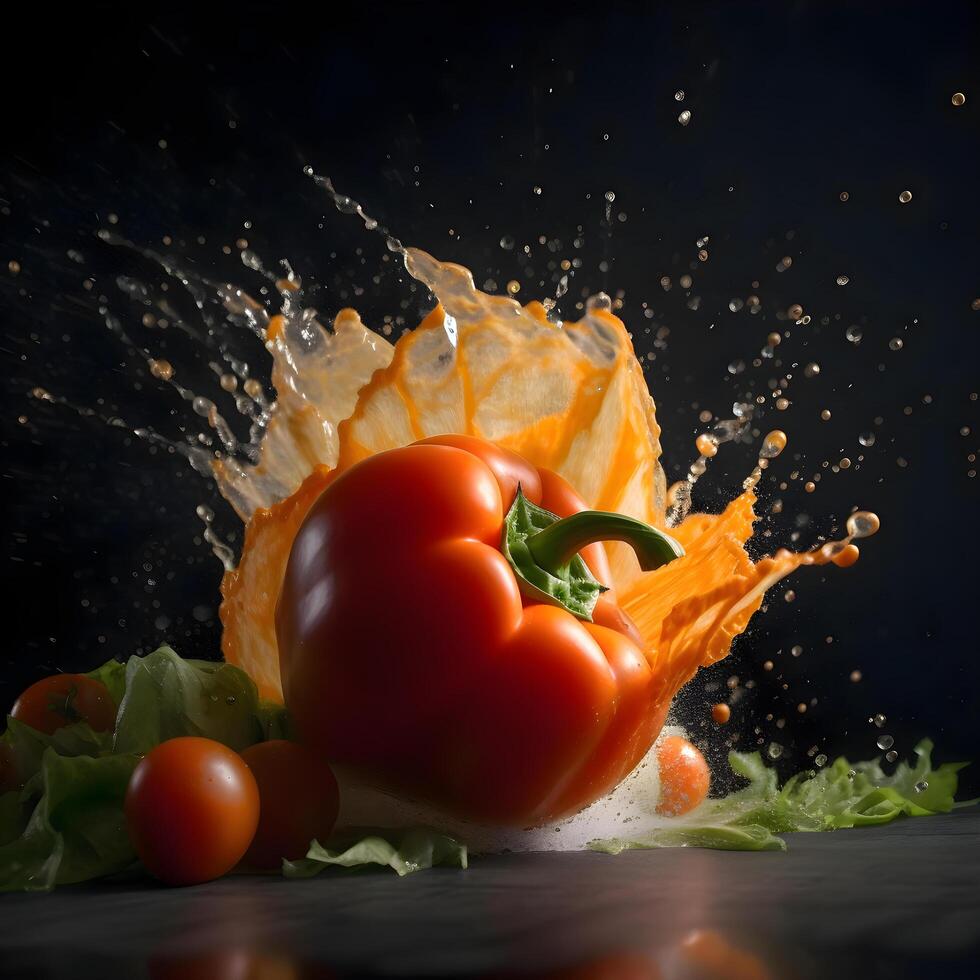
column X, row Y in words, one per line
column 895, row 901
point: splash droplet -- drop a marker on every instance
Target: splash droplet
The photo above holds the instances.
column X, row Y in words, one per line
column 905, row 197
column 863, row 524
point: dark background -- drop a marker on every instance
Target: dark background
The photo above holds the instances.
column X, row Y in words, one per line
column 192, row 122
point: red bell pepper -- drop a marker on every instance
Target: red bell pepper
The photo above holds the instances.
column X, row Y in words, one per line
column 442, row 629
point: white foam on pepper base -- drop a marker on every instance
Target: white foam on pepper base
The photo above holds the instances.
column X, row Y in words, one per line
column 628, row 812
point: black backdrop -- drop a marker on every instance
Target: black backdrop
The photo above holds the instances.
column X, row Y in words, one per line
column 192, row 122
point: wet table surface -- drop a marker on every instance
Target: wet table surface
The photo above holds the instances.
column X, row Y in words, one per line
column 895, row 901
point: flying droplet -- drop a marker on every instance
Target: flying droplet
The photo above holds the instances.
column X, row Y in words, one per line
column 905, row 197
column 885, row 742
column 863, row 524
column 773, row 444
column 866, row 438
column 895, row 343
column 161, row 369
column 685, row 117
column 706, row 444
column 679, row 96
column 958, row 99
column 854, row 334
column 842, row 280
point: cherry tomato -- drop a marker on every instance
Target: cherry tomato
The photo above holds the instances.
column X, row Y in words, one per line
column 684, row 776
column 299, row 801
column 63, row 699
column 192, row 807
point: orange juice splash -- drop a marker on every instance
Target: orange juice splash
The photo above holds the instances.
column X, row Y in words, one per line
column 569, row 396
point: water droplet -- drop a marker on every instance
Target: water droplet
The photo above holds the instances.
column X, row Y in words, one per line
column 895, row 343
column 862, row 524
column 885, row 742
column 773, row 444
column 797, row 650
column 679, row 96
column 843, row 280
column 921, row 786
column 685, row 117
column 507, row 242
column 820, row 761
column 231, row 699
column 854, row 334
column 891, row 755
column 811, row 370
column 795, row 312
column 610, row 196
column 161, row 369
column 905, row 197
column 866, row 438
column 825, row 415
column 706, row 444
column 513, row 287
column 774, row 751
column 958, row 99
column 736, row 367
column 844, row 195
column 537, row 190
column 879, row 720
column 856, row 676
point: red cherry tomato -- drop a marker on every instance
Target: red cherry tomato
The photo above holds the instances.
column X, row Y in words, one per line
column 63, row 699
column 192, row 807
column 299, row 801
column 684, row 776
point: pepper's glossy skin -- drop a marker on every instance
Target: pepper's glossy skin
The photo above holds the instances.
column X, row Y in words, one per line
column 408, row 652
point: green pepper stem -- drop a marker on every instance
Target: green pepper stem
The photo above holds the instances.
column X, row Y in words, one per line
column 556, row 545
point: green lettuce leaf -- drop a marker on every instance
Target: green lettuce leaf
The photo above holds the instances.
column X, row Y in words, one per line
column 113, row 674
column 404, row 851
column 76, row 830
column 167, row 697
column 838, row 796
